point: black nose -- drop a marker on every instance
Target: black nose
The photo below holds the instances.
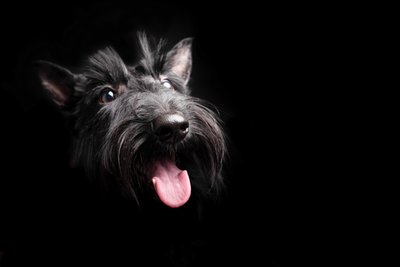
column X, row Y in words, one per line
column 170, row 128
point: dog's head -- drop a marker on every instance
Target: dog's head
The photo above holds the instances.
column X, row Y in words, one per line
column 137, row 126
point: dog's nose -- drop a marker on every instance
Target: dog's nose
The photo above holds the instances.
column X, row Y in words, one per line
column 171, row 128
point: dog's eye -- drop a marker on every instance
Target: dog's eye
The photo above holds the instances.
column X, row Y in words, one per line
column 167, row 84
column 107, row 96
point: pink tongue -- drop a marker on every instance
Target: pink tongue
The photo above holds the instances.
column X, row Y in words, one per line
column 172, row 184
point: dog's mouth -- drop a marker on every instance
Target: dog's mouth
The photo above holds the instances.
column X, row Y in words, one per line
column 171, row 184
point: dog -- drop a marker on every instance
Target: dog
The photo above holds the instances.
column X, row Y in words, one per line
column 138, row 132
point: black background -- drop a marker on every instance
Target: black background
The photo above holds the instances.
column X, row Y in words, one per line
column 260, row 64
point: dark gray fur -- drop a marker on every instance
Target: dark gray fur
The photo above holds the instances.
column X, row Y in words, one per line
column 114, row 142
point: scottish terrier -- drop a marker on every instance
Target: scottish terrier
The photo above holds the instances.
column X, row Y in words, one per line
column 137, row 128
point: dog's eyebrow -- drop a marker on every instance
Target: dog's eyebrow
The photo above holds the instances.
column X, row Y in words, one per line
column 106, row 67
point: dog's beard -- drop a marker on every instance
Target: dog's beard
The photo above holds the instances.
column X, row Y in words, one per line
column 134, row 156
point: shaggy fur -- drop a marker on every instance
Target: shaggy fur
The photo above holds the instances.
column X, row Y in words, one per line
column 112, row 110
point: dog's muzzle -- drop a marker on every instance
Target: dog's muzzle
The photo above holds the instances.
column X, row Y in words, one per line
column 171, row 184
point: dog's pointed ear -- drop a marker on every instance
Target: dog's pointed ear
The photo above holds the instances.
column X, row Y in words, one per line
column 57, row 80
column 179, row 59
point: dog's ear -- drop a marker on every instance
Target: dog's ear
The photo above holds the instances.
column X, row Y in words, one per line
column 57, row 80
column 179, row 59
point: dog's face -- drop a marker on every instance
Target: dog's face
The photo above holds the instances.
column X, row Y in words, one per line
column 137, row 126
